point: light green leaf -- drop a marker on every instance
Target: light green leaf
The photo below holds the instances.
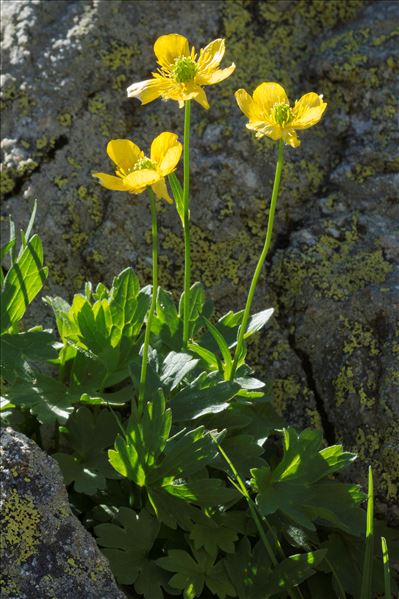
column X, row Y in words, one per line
column 22, row 283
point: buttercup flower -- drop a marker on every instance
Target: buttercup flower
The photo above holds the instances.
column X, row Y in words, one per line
column 270, row 114
column 181, row 76
column 135, row 171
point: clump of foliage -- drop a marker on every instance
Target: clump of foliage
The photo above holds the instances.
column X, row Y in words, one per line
column 170, row 446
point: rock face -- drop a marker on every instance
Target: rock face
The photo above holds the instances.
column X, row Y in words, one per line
column 332, row 277
column 45, row 551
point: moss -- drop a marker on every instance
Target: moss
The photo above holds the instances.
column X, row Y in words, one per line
column 20, row 527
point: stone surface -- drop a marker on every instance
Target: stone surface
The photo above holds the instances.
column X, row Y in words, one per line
column 45, row 551
column 333, row 271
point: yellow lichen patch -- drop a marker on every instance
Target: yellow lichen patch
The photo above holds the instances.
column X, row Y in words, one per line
column 119, row 56
column 20, row 527
column 358, row 336
column 335, row 269
column 65, row 119
column 284, row 391
column 7, row 182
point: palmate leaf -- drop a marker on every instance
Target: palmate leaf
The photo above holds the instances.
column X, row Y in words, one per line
column 45, row 397
column 210, row 535
column 299, row 486
column 293, row 571
column 135, row 454
column 127, row 544
column 16, row 349
column 244, row 452
column 88, row 436
column 192, row 573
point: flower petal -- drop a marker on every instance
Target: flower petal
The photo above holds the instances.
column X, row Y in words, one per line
column 136, row 182
column 290, row 137
column 247, row 105
column 308, row 111
column 111, row 182
column 124, row 153
column 149, row 90
column 169, row 47
column 267, row 94
column 161, row 191
column 211, row 56
column 214, row 76
column 166, row 152
column 200, row 97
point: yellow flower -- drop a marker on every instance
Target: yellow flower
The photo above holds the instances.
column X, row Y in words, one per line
column 135, row 171
column 181, row 76
column 270, row 114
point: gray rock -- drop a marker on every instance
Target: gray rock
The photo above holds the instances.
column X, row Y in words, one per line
column 332, row 274
column 45, row 551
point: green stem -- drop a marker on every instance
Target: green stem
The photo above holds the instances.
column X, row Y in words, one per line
column 186, row 220
column 261, row 260
column 143, row 375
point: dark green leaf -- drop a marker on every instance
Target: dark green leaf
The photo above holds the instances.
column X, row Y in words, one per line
column 293, row 571
column 127, row 546
column 89, row 436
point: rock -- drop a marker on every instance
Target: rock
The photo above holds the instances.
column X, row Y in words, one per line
column 45, row 551
column 332, row 274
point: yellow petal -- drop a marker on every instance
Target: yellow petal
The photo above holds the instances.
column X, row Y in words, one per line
column 169, row 47
column 166, row 152
column 211, row 56
column 214, row 76
column 161, row 191
column 267, row 94
column 136, row 182
column 149, row 90
column 291, row 138
column 124, row 153
column 308, row 111
column 201, row 98
column 247, row 105
column 111, row 182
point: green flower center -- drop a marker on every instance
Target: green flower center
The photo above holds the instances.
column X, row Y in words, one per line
column 184, row 69
column 282, row 114
column 143, row 163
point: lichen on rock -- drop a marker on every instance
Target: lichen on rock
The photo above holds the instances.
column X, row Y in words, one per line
column 45, row 552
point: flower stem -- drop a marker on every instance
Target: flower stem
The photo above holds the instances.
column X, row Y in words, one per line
column 143, row 374
column 261, row 260
column 186, row 220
